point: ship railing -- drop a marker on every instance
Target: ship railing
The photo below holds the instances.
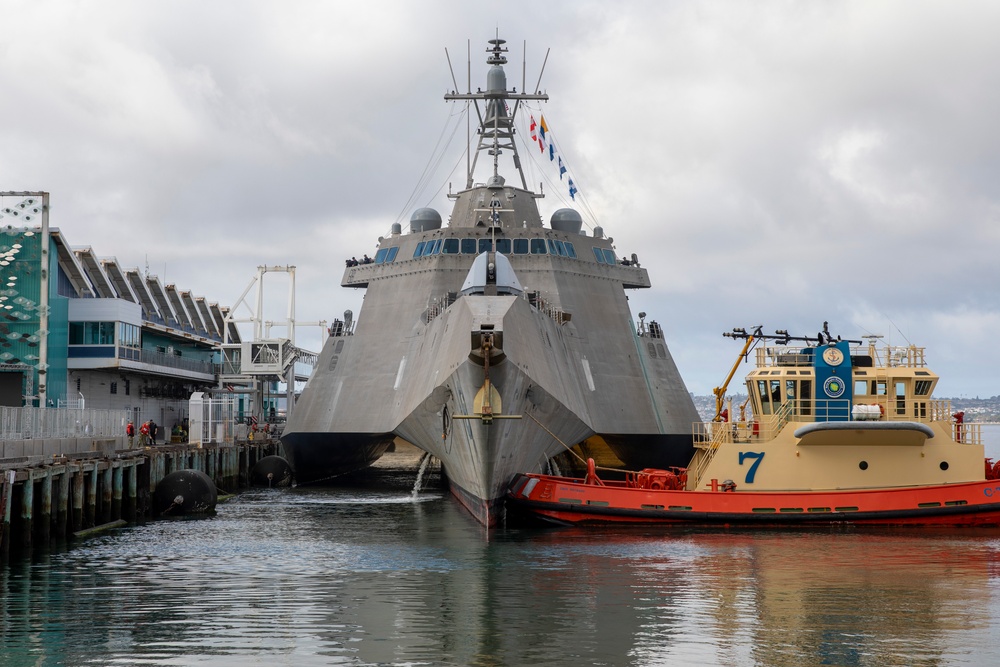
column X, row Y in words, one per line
column 438, row 304
column 890, row 356
column 898, row 356
column 708, row 436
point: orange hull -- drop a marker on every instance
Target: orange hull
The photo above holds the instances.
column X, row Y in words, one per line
column 565, row 500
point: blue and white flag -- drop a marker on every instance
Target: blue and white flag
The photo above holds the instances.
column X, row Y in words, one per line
column 562, row 168
column 552, row 151
column 572, row 190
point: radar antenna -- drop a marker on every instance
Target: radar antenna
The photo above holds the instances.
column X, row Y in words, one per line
column 496, row 118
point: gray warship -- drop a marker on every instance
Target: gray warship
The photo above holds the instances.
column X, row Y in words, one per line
column 493, row 342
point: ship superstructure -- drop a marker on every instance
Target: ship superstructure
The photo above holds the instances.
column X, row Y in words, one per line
column 492, row 342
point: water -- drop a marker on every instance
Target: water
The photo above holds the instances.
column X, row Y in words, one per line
column 366, row 576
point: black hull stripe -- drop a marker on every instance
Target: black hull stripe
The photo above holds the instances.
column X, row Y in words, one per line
column 740, row 517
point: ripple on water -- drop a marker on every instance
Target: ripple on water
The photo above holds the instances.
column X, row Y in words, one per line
column 367, row 576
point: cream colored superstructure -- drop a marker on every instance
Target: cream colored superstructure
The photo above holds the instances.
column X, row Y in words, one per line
column 886, row 432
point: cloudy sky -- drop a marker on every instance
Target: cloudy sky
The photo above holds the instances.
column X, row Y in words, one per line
column 778, row 163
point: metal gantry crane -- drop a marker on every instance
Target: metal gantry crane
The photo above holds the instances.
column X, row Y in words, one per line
column 248, row 367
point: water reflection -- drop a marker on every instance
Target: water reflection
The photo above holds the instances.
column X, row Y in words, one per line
column 352, row 576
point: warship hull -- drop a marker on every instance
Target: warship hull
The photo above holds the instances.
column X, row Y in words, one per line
column 494, row 343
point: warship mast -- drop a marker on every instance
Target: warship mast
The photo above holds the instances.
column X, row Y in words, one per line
column 496, row 122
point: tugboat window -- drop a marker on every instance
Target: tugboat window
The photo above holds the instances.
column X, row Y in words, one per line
column 468, row 246
column 420, row 249
column 503, row 246
column 520, row 246
column 765, row 399
column 450, row 247
column 922, row 387
column 537, row 246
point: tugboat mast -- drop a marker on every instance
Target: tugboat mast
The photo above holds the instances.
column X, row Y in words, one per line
column 496, row 121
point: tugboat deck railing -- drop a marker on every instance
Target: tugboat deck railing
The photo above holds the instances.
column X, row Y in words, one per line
column 762, row 428
column 890, row 356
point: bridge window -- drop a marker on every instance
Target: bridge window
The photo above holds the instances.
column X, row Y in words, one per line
column 91, row 333
column 609, row 256
column 570, row 250
column 552, row 247
column 520, row 246
column 468, row 246
column 432, row 247
column 419, row 250
column 599, row 255
column 380, row 255
column 537, row 246
column 922, row 387
column 561, row 248
column 485, row 245
column 392, row 254
column 503, row 246
column 450, row 247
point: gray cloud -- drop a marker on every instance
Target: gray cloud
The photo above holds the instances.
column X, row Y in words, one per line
column 776, row 163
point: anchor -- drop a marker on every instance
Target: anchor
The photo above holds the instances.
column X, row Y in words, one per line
column 487, row 405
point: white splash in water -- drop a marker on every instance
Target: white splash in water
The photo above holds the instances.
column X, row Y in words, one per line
column 424, row 461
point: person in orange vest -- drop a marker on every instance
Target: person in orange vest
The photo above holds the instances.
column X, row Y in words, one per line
column 130, row 432
column 144, row 434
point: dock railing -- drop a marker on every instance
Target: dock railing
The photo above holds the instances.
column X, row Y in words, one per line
column 27, row 423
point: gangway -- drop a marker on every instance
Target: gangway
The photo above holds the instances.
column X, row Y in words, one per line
column 248, row 366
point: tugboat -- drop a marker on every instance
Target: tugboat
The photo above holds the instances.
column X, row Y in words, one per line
column 490, row 341
column 839, row 431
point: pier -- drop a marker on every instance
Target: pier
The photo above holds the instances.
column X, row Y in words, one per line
column 54, row 498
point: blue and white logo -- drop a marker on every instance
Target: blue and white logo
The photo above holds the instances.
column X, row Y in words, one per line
column 834, row 387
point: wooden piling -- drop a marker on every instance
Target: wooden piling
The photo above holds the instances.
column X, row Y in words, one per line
column 27, row 505
column 107, row 494
column 56, row 499
column 45, row 507
column 78, row 495
column 62, row 504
